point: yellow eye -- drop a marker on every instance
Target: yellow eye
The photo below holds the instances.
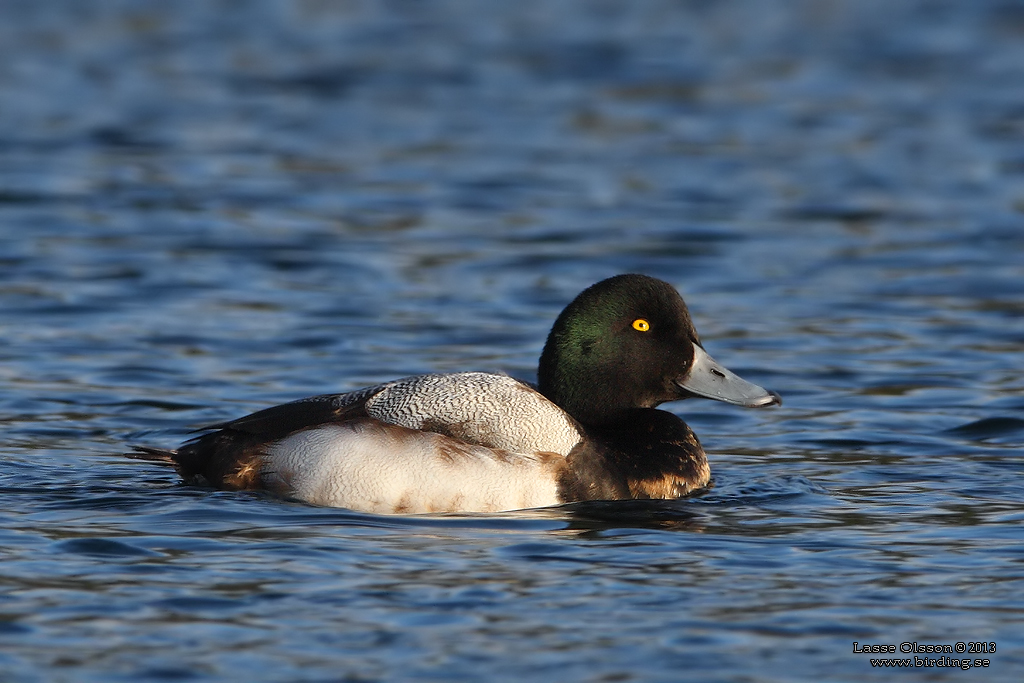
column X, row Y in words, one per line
column 641, row 325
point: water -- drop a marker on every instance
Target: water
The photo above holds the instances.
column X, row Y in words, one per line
column 208, row 208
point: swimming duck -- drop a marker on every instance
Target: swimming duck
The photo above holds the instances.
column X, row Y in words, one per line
column 482, row 442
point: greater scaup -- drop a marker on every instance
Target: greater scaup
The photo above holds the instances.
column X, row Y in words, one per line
column 481, row 442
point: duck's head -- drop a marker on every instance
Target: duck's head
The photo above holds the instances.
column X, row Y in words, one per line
column 628, row 342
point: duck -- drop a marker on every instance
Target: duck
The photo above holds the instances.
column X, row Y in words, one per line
column 469, row 442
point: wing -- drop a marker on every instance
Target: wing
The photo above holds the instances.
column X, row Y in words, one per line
column 479, row 408
column 279, row 421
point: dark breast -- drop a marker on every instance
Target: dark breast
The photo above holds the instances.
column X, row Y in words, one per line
column 653, row 454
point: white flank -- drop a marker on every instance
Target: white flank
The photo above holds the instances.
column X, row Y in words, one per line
column 387, row 469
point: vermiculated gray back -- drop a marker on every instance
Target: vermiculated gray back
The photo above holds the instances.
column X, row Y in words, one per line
column 491, row 410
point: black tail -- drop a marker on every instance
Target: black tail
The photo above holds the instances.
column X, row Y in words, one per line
column 160, row 455
column 225, row 459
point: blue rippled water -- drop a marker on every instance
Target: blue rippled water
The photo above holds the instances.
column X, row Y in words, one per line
column 209, row 208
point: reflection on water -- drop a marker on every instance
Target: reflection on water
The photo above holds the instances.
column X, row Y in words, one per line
column 205, row 210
